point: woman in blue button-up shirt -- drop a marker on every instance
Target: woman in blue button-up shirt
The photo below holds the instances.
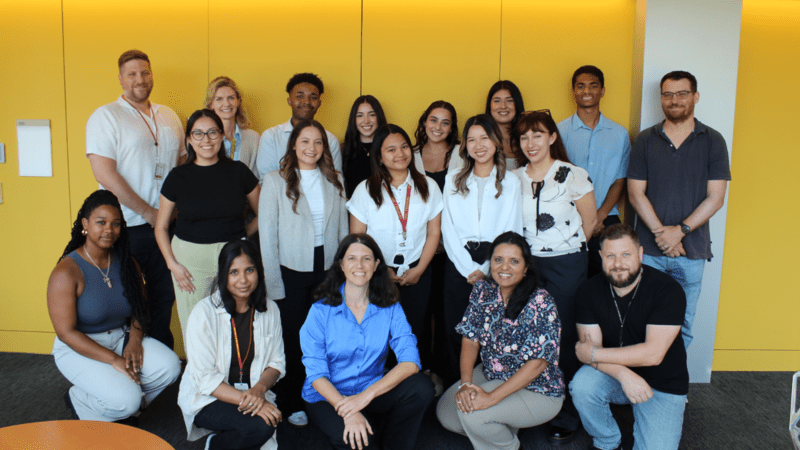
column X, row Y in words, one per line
column 345, row 340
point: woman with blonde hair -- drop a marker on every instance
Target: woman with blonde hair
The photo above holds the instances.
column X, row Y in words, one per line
column 241, row 143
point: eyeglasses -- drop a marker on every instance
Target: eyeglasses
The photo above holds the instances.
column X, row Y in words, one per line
column 680, row 94
column 212, row 134
column 538, row 111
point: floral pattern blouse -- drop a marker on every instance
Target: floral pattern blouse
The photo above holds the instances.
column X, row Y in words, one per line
column 506, row 345
column 551, row 222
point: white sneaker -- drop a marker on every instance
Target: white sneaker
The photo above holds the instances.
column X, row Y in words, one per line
column 298, row 419
column 208, row 441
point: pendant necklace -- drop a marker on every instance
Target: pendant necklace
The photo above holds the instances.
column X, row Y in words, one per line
column 619, row 314
column 106, row 279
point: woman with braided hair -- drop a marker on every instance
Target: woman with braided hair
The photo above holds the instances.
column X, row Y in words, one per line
column 97, row 305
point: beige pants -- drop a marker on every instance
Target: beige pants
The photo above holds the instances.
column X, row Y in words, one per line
column 496, row 427
column 201, row 261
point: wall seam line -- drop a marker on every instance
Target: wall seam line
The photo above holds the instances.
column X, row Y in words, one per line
column 500, row 51
column 361, row 55
column 66, row 112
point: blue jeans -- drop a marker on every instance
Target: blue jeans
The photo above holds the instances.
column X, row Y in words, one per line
column 658, row 422
column 689, row 274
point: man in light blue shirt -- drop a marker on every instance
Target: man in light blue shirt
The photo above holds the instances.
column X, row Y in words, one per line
column 305, row 96
column 600, row 146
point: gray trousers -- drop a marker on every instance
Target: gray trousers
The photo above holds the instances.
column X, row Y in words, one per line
column 102, row 393
column 496, row 427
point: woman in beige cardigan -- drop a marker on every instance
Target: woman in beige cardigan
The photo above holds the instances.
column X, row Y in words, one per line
column 303, row 220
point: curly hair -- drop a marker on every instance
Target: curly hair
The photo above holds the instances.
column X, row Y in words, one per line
column 132, row 285
column 421, row 135
column 382, row 291
column 241, row 114
column 289, row 163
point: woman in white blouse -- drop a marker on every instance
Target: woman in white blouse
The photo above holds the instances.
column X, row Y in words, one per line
column 481, row 201
column 305, row 221
column 400, row 208
column 558, row 212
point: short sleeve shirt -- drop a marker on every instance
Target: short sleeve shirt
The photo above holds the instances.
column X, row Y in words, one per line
column 659, row 301
column 677, row 181
column 117, row 131
column 551, row 222
column 506, row 345
column 210, row 200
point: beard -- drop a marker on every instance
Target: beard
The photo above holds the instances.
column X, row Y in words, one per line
column 624, row 282
column 679, row 115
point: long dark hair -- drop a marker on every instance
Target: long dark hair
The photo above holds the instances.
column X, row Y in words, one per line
column 229, row 252
column 192, row 155
column 512, row 88
column 132, row 286
column 382, row 291
column 289, row 163
column 523, row 291
column 421, row 134
column 352, row 138
column 488, row 124
column 542, row 122
column 381, row 177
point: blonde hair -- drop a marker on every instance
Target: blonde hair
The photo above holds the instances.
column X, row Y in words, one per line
column 241, row 114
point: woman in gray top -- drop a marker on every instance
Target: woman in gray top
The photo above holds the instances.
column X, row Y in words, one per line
column 97, row 306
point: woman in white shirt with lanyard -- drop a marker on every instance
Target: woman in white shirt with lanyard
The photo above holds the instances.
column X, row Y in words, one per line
column 400, row 208
column 558, row 212
column 305, row 219
column 481, row 201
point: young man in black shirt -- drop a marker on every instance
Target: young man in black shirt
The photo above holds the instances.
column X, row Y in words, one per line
column 629, row 323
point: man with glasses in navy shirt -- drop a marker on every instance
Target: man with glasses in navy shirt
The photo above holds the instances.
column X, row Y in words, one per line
column 678, row 174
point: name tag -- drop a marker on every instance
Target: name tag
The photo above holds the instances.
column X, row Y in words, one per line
column 241, row 386
column 159, row 171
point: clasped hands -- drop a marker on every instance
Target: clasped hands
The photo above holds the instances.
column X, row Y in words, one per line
column 635, row 387
column 471, row 398
column 669, row 240
column 356, row 425
column 253, row 402
column 410, row 277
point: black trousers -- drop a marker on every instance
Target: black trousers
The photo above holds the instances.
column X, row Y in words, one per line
column 299, row 289
column 158, row 282
column 234, row 429
column 561, row 276
column 433, row 347
column 414, row 300
column 595, row 263
column 400, row 409
column 456, row 300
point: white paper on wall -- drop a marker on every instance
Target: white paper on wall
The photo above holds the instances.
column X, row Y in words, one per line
column 34, row 148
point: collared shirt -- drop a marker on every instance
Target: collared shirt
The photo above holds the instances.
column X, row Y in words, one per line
column 352, row 355
column 117, row 131
column 460, row 221
column 384, row 225
column 237, row 150
column 273, row 145
column 677, row 181
column 603, row 152
column 551, row 223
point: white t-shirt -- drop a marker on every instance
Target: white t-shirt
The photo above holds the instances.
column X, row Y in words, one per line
column 384, row 225
column 117, row 131
column 461, row 222
column 555, row 227
column 310, row 182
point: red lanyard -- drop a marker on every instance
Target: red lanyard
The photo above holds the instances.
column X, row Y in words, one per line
column 403, row 220
column 155, row 139
column 236, row 338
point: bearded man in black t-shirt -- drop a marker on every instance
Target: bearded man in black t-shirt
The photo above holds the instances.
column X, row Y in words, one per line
column 629, row 323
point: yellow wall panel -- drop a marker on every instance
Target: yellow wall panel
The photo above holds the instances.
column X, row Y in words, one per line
column 174, row 35
column 544, row 42
column 260, row 45
column 759, row 305
column 34, row 215
column 756, row 360
column 416, row 52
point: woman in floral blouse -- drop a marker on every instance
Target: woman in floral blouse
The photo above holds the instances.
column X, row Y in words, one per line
column 558, row 212
column 515, row 328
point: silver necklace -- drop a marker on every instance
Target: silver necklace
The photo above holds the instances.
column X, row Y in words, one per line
column 619, row 314
column 108, row 269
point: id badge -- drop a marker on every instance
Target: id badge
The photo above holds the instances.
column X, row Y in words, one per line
column 159, row 171
column 241, row 386
column 406, row 244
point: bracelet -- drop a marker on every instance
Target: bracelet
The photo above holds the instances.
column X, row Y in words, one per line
column 468, row 383
column 592, row 356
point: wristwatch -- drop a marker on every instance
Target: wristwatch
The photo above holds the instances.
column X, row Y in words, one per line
column 686, row 229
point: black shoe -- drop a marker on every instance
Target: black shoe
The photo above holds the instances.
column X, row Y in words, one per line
column 132, row 421
column 558, row 435
column 68, row 401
